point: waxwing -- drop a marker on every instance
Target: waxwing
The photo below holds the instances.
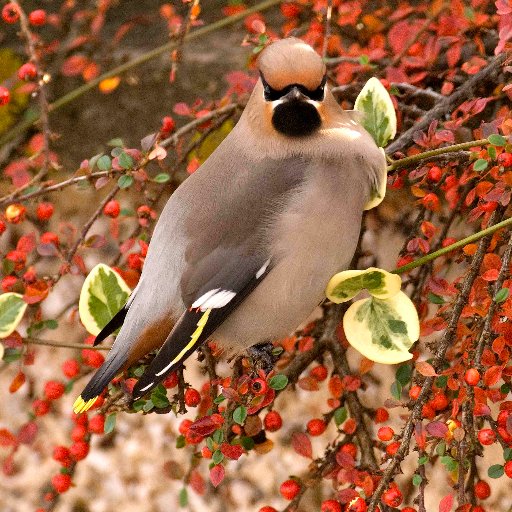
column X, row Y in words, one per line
column 244, row 248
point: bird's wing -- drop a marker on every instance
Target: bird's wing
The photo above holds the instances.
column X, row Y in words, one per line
column 226, row 258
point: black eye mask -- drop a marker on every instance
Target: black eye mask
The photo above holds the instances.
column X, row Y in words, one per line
column 274, row 94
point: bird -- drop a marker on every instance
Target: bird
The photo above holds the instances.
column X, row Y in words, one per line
column 244, row 248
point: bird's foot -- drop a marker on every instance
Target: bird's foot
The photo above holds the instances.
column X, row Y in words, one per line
column 263, row 356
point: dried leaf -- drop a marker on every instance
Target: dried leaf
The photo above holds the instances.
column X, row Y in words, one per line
column 425, row 369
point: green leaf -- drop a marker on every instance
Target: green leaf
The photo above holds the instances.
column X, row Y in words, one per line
column 104, row 163
column 441, row 448
column 416, row 480
column 159, row 397
column 125, row 160
column 491, row 151
column 93, row 161
column 239, row 414
column 12, row 308
column 180, row 442
column 497, row 140
column 219, row 399
column 247, row 442
column 442, row 381
column 148, row 406
column 378, row 111
column 162, row 177
column 480, row 165
column 422, row 460
column 138, row 404
column 183, row 497
column 218, row 436
column 278, row 382
column 382, row 330
column 435, row 299
column 502, row 295
column 110, row 423
column 11, row 355
column 507, row 454
column 403, row 374
column 125, row 181
column 117, row 142
column 340, row 415
column 449, row 463
column 217, row 457
column 396, row 390
column 103, row 294
column 496, row 471
column 364, row 60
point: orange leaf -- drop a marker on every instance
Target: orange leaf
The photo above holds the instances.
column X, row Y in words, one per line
column 492, row 375
column 17, row 382
column 365, row 365
column 109, row 84
column 425, row 369
column 469, row 249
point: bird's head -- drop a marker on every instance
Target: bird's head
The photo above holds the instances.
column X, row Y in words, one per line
column 293, row 78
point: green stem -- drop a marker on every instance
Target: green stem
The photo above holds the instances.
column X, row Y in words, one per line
column 457, row 245
column 404, row 162
column 145, row 57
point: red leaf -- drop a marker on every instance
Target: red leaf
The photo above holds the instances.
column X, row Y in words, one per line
column 36, row 292
column 231, row 451
column 437, row 429
column 17, row 382
column 490, row 275
column 308, row 384
column 344, row 459
column 8, row 465
column 28, row 433
column 7, row 438
column 217, row 475
column 492, row 375
column 481, row 409
column 182, row 109
column 445, row 505
column 74, row 65
column 302, row 444
column 196, row 481
column 205, row 426
column 425, row 369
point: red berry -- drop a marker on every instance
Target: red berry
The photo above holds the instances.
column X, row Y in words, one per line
column 385, row 433
column 171, row 381
column 61, row 483
column 430, row 202
column 381, row 415
column 482, row 490
column 508, row 468
column 135, row 261
column 259, row 386
column 37, row 17
column 489, row 206
column 316, row 426
column 392, row 497
column 15, row 213
column 267, row 509
column 168, row 125
column 408, row 509
column 435, row 174
column 44, row 211
column 80, row 419
column 61, row 454
column 193, row 437
column 27, row 72
column 505, row 159
column 10, row 13
column 428, row 411
column 472, row 376
column 97, row 424
column 350, row 448
column 5, row 96
column 192, row 397
column 289, row 489
column 206, row 452
column 330, row 506
column 273, row 421
column 356, row 505
column 112, row 209
column 439, row 402
column 70, row 368
column 448, row 241
column 486, row 436
column 502, row 418
column 30, row 276
column 392, row 448
column 3, row 227
column 184, row 426
column 19, row 259
column 92, row 358
column 290, row 10
column 50, row 238
column 79, row 432
column 319, row 373
column 53, row 390
column 41, row 407
column 8, row 283
column 79, row 450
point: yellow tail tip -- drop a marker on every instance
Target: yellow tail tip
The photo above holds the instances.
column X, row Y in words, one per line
column 81, row 406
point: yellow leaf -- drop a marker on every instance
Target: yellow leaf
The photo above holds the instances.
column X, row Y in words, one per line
column 347, row 284
column 383, row 330
column 109, row 84
column 103, row 294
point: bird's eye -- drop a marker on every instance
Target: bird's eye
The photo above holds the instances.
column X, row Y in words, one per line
column 318, row 93
column 270, row 93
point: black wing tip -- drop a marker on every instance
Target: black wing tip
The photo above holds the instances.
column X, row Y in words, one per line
column 114, row 323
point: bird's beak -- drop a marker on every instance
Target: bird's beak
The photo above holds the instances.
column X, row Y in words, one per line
column 294, row 95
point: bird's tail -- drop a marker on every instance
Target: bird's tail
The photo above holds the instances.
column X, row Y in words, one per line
column 108, row 370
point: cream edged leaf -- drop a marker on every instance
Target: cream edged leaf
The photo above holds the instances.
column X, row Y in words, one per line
column 378, row 192
column 347, row 284
column 379, row 116
column 103, row 294
column 383, row 330
column 12, row 308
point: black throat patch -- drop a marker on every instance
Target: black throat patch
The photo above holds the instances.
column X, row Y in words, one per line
column 296, row 118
